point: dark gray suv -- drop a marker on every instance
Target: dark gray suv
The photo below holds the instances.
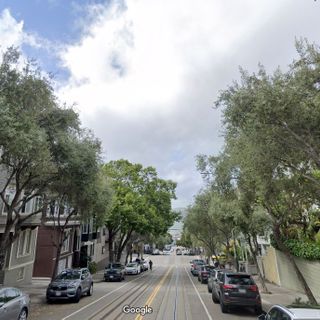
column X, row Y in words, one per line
column 70, row 284
column 236, row 289
column 114, row 272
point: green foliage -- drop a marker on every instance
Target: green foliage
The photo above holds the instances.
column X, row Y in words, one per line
column 302, row 248
column 93, row 267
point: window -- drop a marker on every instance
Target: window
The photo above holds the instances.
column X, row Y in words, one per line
column 91, row 250
column 37, row 204
column 20, row 275
column 66, row 241
column 24, row 243
column 12, row 294
column 2, row 297
column 85, row 228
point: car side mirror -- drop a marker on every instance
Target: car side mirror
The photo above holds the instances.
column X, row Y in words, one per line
column 262, row 317
column 83, row 277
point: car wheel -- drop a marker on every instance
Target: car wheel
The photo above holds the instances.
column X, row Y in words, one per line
column 223, row 307
column 78, row 296
column 49, row 301
column 90, row 291
column 258, row 310
column 209, row 289
column 214, row 298
column 23, row 314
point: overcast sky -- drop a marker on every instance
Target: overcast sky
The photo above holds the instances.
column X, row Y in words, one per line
column 143, row 74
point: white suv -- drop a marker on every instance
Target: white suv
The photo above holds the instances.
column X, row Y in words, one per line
column 278, row 312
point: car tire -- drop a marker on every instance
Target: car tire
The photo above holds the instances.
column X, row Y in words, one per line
column 209, row 289
column 90, row 291
column 214, row 298
column 224, row 308
column 49, row 300
column 23, row 314
column 258, row 310
column 77, row 297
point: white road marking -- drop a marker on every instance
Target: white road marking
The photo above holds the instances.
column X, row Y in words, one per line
column 93, row 302
column 204, row 306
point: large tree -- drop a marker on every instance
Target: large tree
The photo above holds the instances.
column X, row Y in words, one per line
column 44, row 153
column 141, row 203
column 272, row 126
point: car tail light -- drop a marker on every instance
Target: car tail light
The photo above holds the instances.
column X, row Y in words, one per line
column 228, row 286
column 253, row 288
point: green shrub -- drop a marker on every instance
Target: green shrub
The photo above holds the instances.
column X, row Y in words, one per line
column 302, row 248
column 92, row 267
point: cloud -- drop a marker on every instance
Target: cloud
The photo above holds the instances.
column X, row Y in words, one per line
column 12, row 34
column 145, row 75
column 11, row 31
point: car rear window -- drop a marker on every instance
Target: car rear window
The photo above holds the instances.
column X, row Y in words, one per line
column 240, row 279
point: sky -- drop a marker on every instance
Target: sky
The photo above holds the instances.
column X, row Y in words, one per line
column 144, row 74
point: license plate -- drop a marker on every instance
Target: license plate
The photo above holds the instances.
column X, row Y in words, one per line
column 58, row 293
column 242, row 290
column 111, row 277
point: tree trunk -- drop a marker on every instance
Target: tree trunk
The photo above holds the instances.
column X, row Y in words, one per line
column 300, row 276
column 56, row 263
column 254, row 255
column 123, row 245
column 110, row 246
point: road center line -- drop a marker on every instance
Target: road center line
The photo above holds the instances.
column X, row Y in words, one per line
column 154, row 292
column 93, row 302
column 195, row 288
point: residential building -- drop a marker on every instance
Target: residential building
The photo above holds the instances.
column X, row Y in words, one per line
column 20, row 255
column 48, row 235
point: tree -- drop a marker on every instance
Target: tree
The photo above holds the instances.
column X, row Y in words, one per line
column 31, row 123
column 82, row 191
column 141, row 203
column 271, row 125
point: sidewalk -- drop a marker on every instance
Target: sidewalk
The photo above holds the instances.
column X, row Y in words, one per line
column 37, row 289
column 279, row 295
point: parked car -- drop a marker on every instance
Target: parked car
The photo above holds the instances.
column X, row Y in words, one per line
column 213, row 276
column 114, row 271
column 236, row 289
column 195, row 266
column 70, row 284
column 166, row 252
column 133, row 268
column 204, row 272
column 155, row 252
column 145, row 264
column 278, row 312
column 14, row 304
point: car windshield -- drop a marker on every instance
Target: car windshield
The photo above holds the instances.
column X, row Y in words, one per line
column 69, row 275
column 131, row 265
column 114, row 266
column 240, row 279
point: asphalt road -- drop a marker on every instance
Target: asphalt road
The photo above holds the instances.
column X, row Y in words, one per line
column 167, row 292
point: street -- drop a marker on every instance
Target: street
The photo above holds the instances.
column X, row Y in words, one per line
column 169, row 291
